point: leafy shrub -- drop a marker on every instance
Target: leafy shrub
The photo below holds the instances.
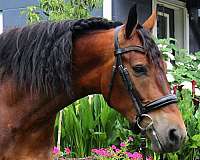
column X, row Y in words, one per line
column 90, row 123
column 56, row 10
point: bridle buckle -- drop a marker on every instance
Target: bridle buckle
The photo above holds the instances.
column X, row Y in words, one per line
column 147, row 126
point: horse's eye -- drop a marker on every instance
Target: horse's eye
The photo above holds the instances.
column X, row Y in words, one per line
column 140, row 70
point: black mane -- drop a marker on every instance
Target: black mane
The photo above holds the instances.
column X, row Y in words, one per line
column 38, row 57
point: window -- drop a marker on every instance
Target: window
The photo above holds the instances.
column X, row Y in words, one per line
column 1, row 22
column 163, row 25
column 198, row 16
column 173, row 21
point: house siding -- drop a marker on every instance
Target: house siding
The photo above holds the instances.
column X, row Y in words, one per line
column 97, row 12
column 1, row 21
column 120, row 9
column 13, row 18
column 11, row 11
column 194, row 30
column 15, row 4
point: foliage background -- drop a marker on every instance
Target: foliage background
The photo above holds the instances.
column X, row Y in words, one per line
column 56, row 10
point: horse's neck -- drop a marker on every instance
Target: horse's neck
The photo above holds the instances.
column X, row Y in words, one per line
column 25, row 121
column 92, row 58
column 28, row 121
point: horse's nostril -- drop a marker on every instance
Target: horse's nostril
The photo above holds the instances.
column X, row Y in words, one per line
column 173, row 136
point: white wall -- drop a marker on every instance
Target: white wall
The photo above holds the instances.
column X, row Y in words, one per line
column 1, row 22
column 107, row 9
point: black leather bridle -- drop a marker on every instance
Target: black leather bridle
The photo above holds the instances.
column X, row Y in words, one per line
column 142, row 110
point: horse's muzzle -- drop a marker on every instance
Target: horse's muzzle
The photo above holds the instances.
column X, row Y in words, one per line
column 166, row 141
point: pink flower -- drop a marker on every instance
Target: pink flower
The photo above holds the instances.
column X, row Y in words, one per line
column 130, row 139
column 117, row 150
column 67, row 150
column 130, row 155
column 136, row 155
column 94, row 150
column 102, row 152
column 55, row 150
column 122, row 144
column 113, row 147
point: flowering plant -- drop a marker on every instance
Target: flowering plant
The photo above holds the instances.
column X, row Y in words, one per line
column 59, row 155
column 118, row 153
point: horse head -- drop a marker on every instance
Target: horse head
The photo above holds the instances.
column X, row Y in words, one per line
column 139, row 88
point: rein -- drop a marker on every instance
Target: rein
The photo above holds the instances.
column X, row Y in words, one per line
column 142, row 110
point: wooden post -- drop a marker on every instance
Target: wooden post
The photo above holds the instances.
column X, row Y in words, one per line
column 59, row 129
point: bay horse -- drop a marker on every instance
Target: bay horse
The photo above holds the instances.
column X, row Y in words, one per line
column 47, row 66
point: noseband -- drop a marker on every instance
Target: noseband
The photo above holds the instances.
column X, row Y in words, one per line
column 142, row 110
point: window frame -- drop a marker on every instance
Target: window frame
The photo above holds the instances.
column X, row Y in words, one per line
column 167, row 16
column 1, row 21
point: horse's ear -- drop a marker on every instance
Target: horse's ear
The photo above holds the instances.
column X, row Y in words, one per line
column 151, row 21
column 131, row 22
